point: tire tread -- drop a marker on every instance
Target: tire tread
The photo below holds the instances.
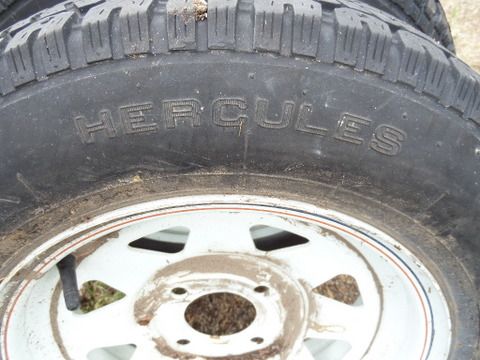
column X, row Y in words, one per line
column 78, row 34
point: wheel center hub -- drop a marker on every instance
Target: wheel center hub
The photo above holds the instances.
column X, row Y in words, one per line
column 220, row 314
column 224, row 304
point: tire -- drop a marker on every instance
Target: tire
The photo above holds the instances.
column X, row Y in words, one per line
column 426, row 15
column 13, row 11
column 109, row 104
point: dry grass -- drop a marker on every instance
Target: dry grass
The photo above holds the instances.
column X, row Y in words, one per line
column 220, row 314
column 343, row 288
column 464, row 18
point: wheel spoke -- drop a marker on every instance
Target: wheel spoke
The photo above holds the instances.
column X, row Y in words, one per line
column 313, row 262
column 112, row 325
column 148, row 351
column 334, row 320
column 225, row 232
column 304, row 354
column 122, row 267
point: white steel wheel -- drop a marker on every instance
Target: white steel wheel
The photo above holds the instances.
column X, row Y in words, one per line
column 274, row 257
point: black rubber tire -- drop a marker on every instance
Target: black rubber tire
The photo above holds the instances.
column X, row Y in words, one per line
column 12, row 11
column 426, row 15
column 325, row 101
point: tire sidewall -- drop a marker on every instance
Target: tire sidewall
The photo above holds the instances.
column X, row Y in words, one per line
column 318, row 134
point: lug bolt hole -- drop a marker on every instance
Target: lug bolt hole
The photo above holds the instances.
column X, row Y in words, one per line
column 179, row 291
column 183, row 342
column 261, row 289
column 257, row 340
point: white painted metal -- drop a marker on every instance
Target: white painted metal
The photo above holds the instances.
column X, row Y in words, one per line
column 266, row 325
column 396, row 318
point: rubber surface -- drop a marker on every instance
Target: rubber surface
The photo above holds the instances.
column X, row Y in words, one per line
column 71, row 36
column 99, row 94
column 426, row 15
column 12, row 11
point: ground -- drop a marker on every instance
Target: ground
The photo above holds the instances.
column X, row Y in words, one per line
column 464, row 18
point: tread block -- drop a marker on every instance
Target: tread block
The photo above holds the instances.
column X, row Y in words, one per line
column 268, row 25
column 463, row 96
column 53, row 44
column 245, row 25
column 135, row 27
column 363, row 41
column 96, row 32
column 271, row 26
column 413, row 63
column 423, row 65
column 158, row 29
column 18, row 55
column 438, row 70
column 349, row 35
column 181, row 25
column 306, row 29
column 221, row 24
column 379, row 40
column 327, row 42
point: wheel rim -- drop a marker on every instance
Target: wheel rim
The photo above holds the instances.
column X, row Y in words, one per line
column 401, row 312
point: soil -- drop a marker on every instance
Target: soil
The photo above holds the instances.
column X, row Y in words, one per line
column 464, row 16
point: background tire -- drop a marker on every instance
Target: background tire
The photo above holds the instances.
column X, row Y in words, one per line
column 12, row 11
column 426, row 15
column 101, row 101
